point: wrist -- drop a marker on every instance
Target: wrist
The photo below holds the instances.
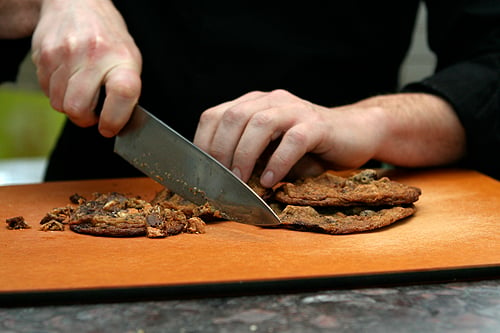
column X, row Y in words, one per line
column 416, row 129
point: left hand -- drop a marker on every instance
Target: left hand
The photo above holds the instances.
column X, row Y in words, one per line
column 238, row 132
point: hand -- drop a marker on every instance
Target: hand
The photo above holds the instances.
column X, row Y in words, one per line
column 410, row 130
column 79, row 46
column 237, row 133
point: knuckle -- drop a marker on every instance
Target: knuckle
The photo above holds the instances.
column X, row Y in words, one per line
column 126, row 89
column 217, row 152
column 73, row 110
column 56, row 105
column 261, row 119
column 296, row 136
column 111, row 125
column 253, row 94
column 243, row 153
column 234, row 115
column 72, row 42
column 208, row 116
column 67, row 47
column 44, row 56
column 282, row 160
column 70, row 45
column 50, row 51
column 280, row 94
column 76, row 111
column 92, row 43
column 123, row 84
column 81, row 119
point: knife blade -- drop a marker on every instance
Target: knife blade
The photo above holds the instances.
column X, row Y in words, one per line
column 173, row 161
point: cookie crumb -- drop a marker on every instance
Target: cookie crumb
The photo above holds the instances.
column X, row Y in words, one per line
column 16, row 223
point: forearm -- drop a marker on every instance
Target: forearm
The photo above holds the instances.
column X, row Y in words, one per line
column 417, row 130
column 18, row 18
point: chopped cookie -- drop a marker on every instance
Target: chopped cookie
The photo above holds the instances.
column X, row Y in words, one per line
column 117, row 215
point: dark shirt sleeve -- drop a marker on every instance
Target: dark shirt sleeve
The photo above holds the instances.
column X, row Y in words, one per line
column 12, row 53
column 465, row 36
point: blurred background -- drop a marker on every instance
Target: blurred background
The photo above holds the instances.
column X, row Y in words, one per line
column 29, row 127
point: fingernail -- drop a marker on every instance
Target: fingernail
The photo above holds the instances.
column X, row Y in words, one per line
column 237, row 172
column 267, row 179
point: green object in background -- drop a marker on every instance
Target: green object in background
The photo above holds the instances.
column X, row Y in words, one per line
column 29, row 127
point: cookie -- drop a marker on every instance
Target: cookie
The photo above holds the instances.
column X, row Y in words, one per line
column 363, row 188
column 334, row 221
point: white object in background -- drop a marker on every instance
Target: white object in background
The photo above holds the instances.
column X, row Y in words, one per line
column 14, row 171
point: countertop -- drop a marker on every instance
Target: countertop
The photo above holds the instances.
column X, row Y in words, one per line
column 447, row 307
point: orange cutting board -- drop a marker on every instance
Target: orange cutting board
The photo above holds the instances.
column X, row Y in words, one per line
column 456, row 228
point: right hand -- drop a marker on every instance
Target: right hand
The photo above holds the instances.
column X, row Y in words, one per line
column 79, row 46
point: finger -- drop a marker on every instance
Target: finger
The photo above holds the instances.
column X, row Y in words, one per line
column 252, row 119
column 210, row 119
column 57, row 87
column 262, row 128
column 42, row 75
column 55, row 67
column 280, row 111
column 81, row 95
column 229, row 130
column 296, row 142
column 46, row 63
column 49, row 56
column 123, row 87
column 207, row 125
column 43, row 81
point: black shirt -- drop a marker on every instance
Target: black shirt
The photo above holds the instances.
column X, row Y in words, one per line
column 197, row 55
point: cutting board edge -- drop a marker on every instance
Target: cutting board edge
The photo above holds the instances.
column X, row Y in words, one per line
column 248, row 287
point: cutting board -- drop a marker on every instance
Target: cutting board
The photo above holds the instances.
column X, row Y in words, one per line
column 455, row 233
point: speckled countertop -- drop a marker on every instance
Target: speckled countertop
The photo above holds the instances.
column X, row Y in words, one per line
column 449, row 307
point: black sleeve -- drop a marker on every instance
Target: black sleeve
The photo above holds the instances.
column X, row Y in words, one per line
column 465, row 36
column 12, row 53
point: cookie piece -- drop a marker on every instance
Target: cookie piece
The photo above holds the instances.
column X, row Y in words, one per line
column 60, row 215
column 363, row 188
column 334, row 221
column 168, row 199
column 111, row 214
column 16, row 223
column 261, row 191
column 121, row 225
column 163, row 222
column 52, row 225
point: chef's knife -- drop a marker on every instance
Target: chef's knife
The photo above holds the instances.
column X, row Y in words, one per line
column 167, row 157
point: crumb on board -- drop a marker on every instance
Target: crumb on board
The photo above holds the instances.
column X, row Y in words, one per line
column 16, row 223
